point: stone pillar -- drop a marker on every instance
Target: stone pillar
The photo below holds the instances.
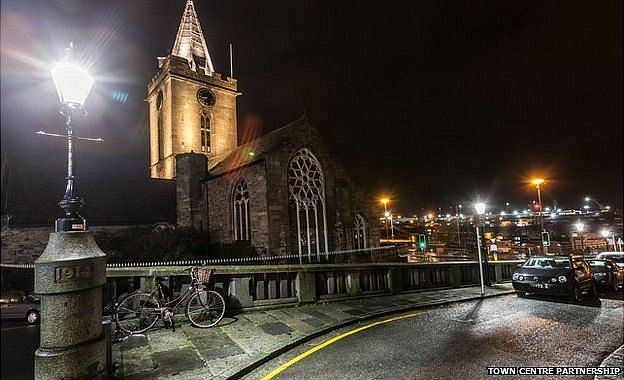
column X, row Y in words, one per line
column 454, row 276
column 354, row 287
column 306, row 287
column 498, row 272
column 239, row 295
column 395, row 280
column 69, row 277
column 191, row 172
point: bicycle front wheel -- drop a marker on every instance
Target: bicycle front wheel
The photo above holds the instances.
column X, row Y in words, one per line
column 137, row 313
column 205, row 308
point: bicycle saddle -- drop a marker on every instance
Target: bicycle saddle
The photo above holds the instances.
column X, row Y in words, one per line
column 161, row 279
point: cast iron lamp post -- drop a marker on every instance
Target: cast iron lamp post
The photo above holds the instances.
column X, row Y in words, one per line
column 71, row 272
column 73, row 85
column 480, row 209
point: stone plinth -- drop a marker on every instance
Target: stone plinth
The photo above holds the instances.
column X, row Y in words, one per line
column 69, row 277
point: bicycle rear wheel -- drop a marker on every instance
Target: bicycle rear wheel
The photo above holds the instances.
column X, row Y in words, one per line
column 205, row 308
column 137, row 313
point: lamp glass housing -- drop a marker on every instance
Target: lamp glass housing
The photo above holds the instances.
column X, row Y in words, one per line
column 480, row 208
column 72, row 83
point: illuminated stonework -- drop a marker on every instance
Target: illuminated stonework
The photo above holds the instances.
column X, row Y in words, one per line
column 177, row 116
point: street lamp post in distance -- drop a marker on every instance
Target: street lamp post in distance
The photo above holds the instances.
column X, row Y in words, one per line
column 385, row 201
column 480, row 209
column 388, row 216
column 606, row 234
column 579, row 228
column 538, row 182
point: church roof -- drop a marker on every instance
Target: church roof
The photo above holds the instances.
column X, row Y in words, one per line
column 256, row 149
column 190, row 40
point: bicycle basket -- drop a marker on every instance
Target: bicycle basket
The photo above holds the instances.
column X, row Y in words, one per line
column 203, row 275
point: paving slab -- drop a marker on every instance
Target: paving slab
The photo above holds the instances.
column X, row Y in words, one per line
column 243, row 342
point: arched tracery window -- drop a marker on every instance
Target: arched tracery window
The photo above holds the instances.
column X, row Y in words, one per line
column 359, row 232
column 306, row 189
column 240, row 204
column 204, row 131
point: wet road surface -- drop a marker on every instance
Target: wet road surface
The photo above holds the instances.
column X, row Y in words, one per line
column 459, row 341
column 19, row 343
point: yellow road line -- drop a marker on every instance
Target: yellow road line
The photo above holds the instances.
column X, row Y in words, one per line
column 333, row 340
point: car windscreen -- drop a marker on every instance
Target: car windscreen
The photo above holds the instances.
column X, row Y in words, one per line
column 547, row 263
column 616, row 258
column 599, row 264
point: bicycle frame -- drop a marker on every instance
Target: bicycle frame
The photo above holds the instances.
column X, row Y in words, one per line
column 175, row 303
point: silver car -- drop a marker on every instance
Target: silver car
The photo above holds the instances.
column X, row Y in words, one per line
column 17, row 305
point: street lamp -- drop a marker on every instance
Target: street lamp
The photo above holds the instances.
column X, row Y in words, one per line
column 537, row 182
column 480, row 208
column 71, row 271
column 388, row 216
column 579, row 228
column 606, row 234
column 458, row 229
column 385, row 201
column 73, row 85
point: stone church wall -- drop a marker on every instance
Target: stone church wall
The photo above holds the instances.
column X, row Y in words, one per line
column 220, row 216
column 343, row 199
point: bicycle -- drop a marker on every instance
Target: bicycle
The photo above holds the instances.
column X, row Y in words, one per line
column 140, row 310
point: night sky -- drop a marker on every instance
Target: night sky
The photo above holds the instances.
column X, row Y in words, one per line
column 432, row 102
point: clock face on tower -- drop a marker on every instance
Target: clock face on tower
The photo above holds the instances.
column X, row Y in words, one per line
column 205, row 97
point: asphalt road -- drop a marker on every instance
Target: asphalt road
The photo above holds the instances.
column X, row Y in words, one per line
column 19, row 343
column 459, row 341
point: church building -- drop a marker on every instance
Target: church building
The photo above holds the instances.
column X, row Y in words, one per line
column 284, row 193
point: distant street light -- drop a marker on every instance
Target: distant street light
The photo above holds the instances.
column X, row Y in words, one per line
column 388, row 216
column 73, row 85
column 537, row 182
column 606, row 234
column 480, row 208
column 457, row 220
column 579, row 228
column 590, row 199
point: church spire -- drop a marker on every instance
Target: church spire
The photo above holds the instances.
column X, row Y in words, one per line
column 190, row 43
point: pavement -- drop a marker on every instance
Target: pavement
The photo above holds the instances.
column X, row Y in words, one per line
column 615, row 360
column 244, row 342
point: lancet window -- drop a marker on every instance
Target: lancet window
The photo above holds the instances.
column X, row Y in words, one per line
column 359, row 229
column 240, row 205
column 205, row 133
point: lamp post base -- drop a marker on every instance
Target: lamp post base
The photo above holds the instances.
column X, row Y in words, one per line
column 70, row 224
column 69, row 277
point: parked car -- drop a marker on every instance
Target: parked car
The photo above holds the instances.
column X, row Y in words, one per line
column 18, row 305
column 618, row 257
column 607, row 273
column 554, row 275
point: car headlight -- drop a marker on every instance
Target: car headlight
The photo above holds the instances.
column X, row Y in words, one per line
column 554, row 279
column 562, row 279
column 602, row 274
column 514, row 276
column 520, row 277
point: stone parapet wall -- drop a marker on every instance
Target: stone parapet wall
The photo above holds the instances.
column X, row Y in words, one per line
column 267, row 286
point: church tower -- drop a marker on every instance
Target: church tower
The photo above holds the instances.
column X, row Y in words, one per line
column 191, row 107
